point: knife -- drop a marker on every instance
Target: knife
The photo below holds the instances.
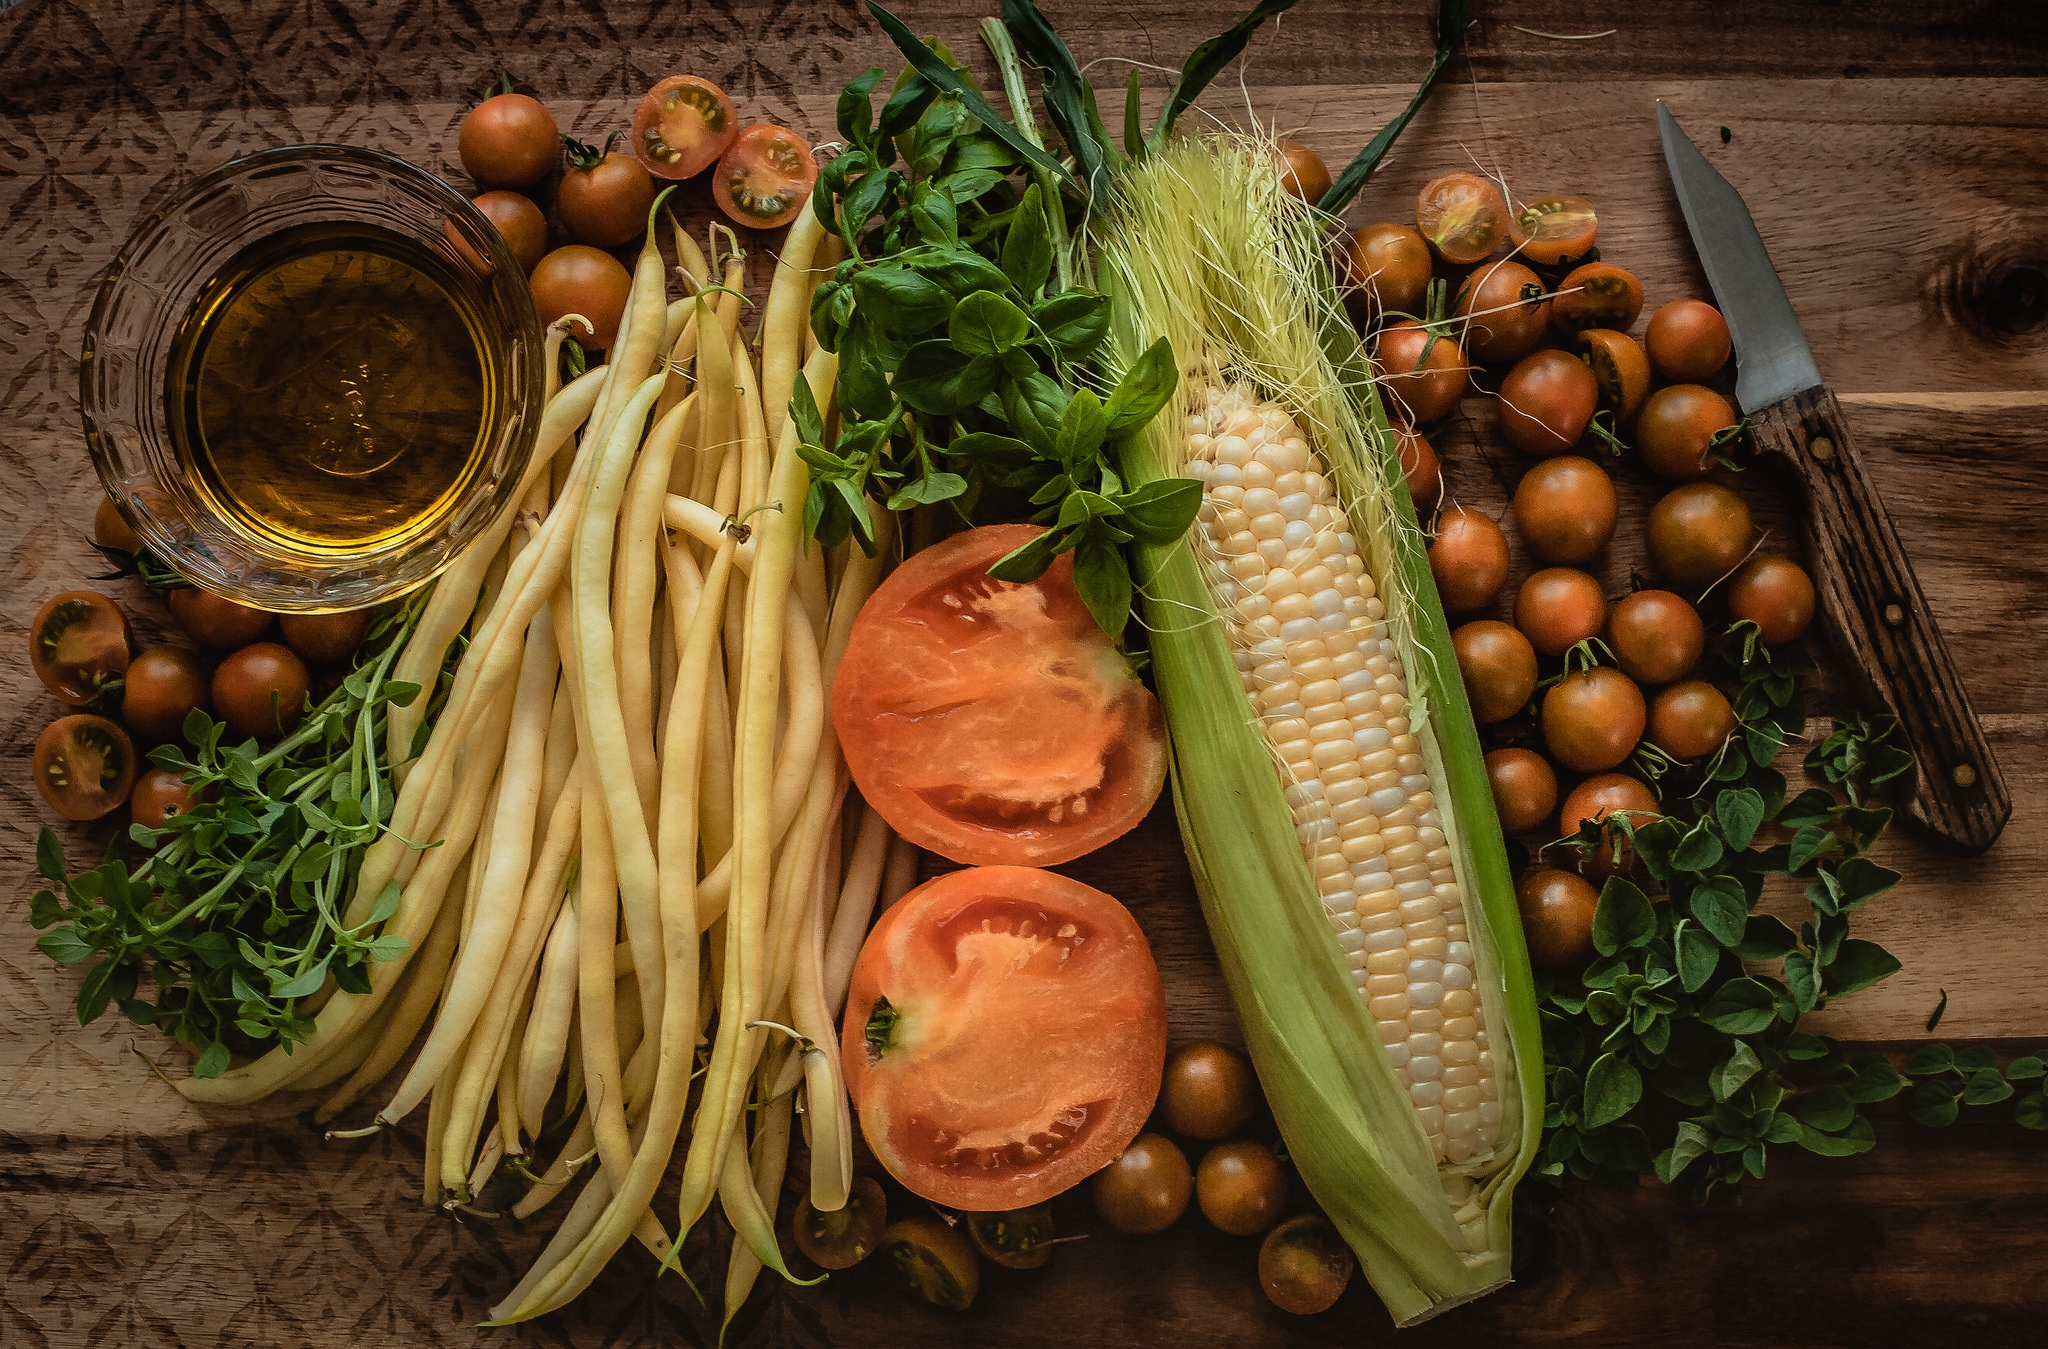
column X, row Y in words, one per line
column 1869, row 598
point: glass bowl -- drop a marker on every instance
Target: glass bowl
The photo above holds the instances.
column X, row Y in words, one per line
column 126, row 379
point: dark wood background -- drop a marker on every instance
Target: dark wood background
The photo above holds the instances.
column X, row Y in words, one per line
column 1896, row 158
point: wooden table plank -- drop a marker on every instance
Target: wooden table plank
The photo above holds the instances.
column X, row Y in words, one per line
column 1897, row 207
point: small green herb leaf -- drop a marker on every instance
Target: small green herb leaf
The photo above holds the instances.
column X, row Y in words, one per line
column 1613, row 1086
column 1623, row 919
column 1740, row 1007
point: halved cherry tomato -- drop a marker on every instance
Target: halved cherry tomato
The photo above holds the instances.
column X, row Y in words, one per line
column 84, row 766
column 1387, row 269
column 1774, row 594
column 992, row 722
column 605, row 195
column 508, row 141
column 1469, row 559
column 1656, row 636
column 1593, row 718
column 765, row 178
column 78, row 645
column 1565, row 509
column 1020, row 1238
column 931, row 1262
column 1498, row 666
column 1423, row 471
column 682, row 126
column 843, row 1237
column 1004, row 1036
column 1690, row 720
column 1524, row 788
column 1507, row 313
column 1551, row 230
column 1302, row 171
column 519, row 222
column 1699, row 532
column 1422, row 372
column 1463, row 216
column 1688, row 341
column 1620, row 369
column 1546, row 402
column 1597, row 295
column 582, row 280
column 1559, row 607
column 1678, row 426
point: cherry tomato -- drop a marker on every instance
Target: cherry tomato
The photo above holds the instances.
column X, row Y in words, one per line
column 1656, row 636
column 1017, row 1239
column 1688, row 341
column 1546, row 401
column 1304, row 1265
column 214, row 621
column 1422, row 372
column 1209, row 1091
column 1302, row 171
column 1597, row 295
column 1004, row 1036
column 1676, row 428
column 260, row 691
column 1565, row 509
column 1498, row 666
column 993, row 722
column 1469, row 559
column 682, row 126
column 765, row 177
column 1699, row 533
column 1774, row 594
column 1551, row 230
column 1146, row 1188
column 84, row 766
column 159, row 794
column 1620, row 369
column 845, row 1236
column 1524, row 788
column 110, row 529
column 78, row 645
column 582, row 280
column 1419, row 465
column 1507, row 313
column 508, row 141
column 1691, row 720
column 931, row 1262
column 519, row 222
column 1559, row 607
column 1592, row 719
column 1463, row 216
column 324, row 637
column 1557, row 917
column 1240, row 1187
column 164, row 684
column 1595, row 799
column 1387, row 268
column 605, row 195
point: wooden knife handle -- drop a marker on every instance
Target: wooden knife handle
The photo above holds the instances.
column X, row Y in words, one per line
column 1881, row 624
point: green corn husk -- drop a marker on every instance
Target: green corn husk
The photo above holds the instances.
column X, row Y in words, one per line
column 1203, row 247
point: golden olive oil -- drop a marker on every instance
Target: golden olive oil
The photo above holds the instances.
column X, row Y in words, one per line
column 330, row 389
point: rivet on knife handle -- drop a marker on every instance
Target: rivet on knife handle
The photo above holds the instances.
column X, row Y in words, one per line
column 1881, row 624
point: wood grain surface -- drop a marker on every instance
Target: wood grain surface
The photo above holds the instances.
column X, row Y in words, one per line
column 1893, row 156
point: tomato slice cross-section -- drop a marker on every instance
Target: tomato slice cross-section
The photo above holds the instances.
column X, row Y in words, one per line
column 1004, row 1036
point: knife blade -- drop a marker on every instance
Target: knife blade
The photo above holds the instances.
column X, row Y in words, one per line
column 1869, row 598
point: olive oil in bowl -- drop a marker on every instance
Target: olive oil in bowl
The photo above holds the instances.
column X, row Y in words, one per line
column 331, row 389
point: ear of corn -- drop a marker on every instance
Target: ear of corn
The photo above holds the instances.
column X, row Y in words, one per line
column 1326, row 769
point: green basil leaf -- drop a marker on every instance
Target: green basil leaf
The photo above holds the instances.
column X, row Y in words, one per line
column 1034, row 406
column 984, row 323
column 213, row 1061
column 387, row 902
column 2032, row 1111
column 64, row 945
column 350, row 976
column 944, row 120
column 935, row 217
column 1861, row 879
column 927, row 491
column 213, row 947
column 1857, row 966
column 1161, row 512
column 2026, row 1068
column 96, row 990
column 1804, row 1048
column 857, row 206
column 1623, row 918
column 936, row 378
column 1613, row 1087
column 1803, row 979
column 1027, row 249
column 1081, row 431
column 50, row 850
column 989, row 448
column 912, row 96
column 1808, row 843
column 959, row 272
column 1143, row 390
column 972, row 153
column 301, row 985
column 387, row 947
column 1104, row 580
column 1074, row 322
column 1976, row 1058
column 1025, row 564
column 1827, row 1109
column 803, row 411
column 855, row 114
column 1739, row 1007
column 1699, row 850
column 1691, row 1144
column 901, row 299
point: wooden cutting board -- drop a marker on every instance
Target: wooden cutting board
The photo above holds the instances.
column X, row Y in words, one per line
column 1893, row 157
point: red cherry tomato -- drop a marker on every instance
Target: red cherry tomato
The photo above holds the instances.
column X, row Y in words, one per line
column 582, row 280
column 1656, row 636
column 1677, row 427
column 605, row 196
column 1004, row 1036
column 1595, row 799
column 164, row 684
column 1565, row 509
column 1559, row 607
column 1592, row 719
column 159, row 795
column 1498, row 666
column 1302, row 171
column 1505, row 312
column 1422, row 372
column 1690, row 720
column 260, row 691
column 1524, row 788
column 1387, row 268
column 1774, row 594
column 1620, row 369
column 682, row 126
column 765, row 178
column 1699, row 533
column 1688, row 341
column 212, row 620
column 1546, row 402
column 519, row 222
column 508, row 141
column 1557, row 917
column 324, row 637
column 110, row 529
column 1419, row 465
column 1469, row 559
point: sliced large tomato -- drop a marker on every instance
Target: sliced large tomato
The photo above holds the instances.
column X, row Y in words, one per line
column 990, row 722
column 1004, row 1036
